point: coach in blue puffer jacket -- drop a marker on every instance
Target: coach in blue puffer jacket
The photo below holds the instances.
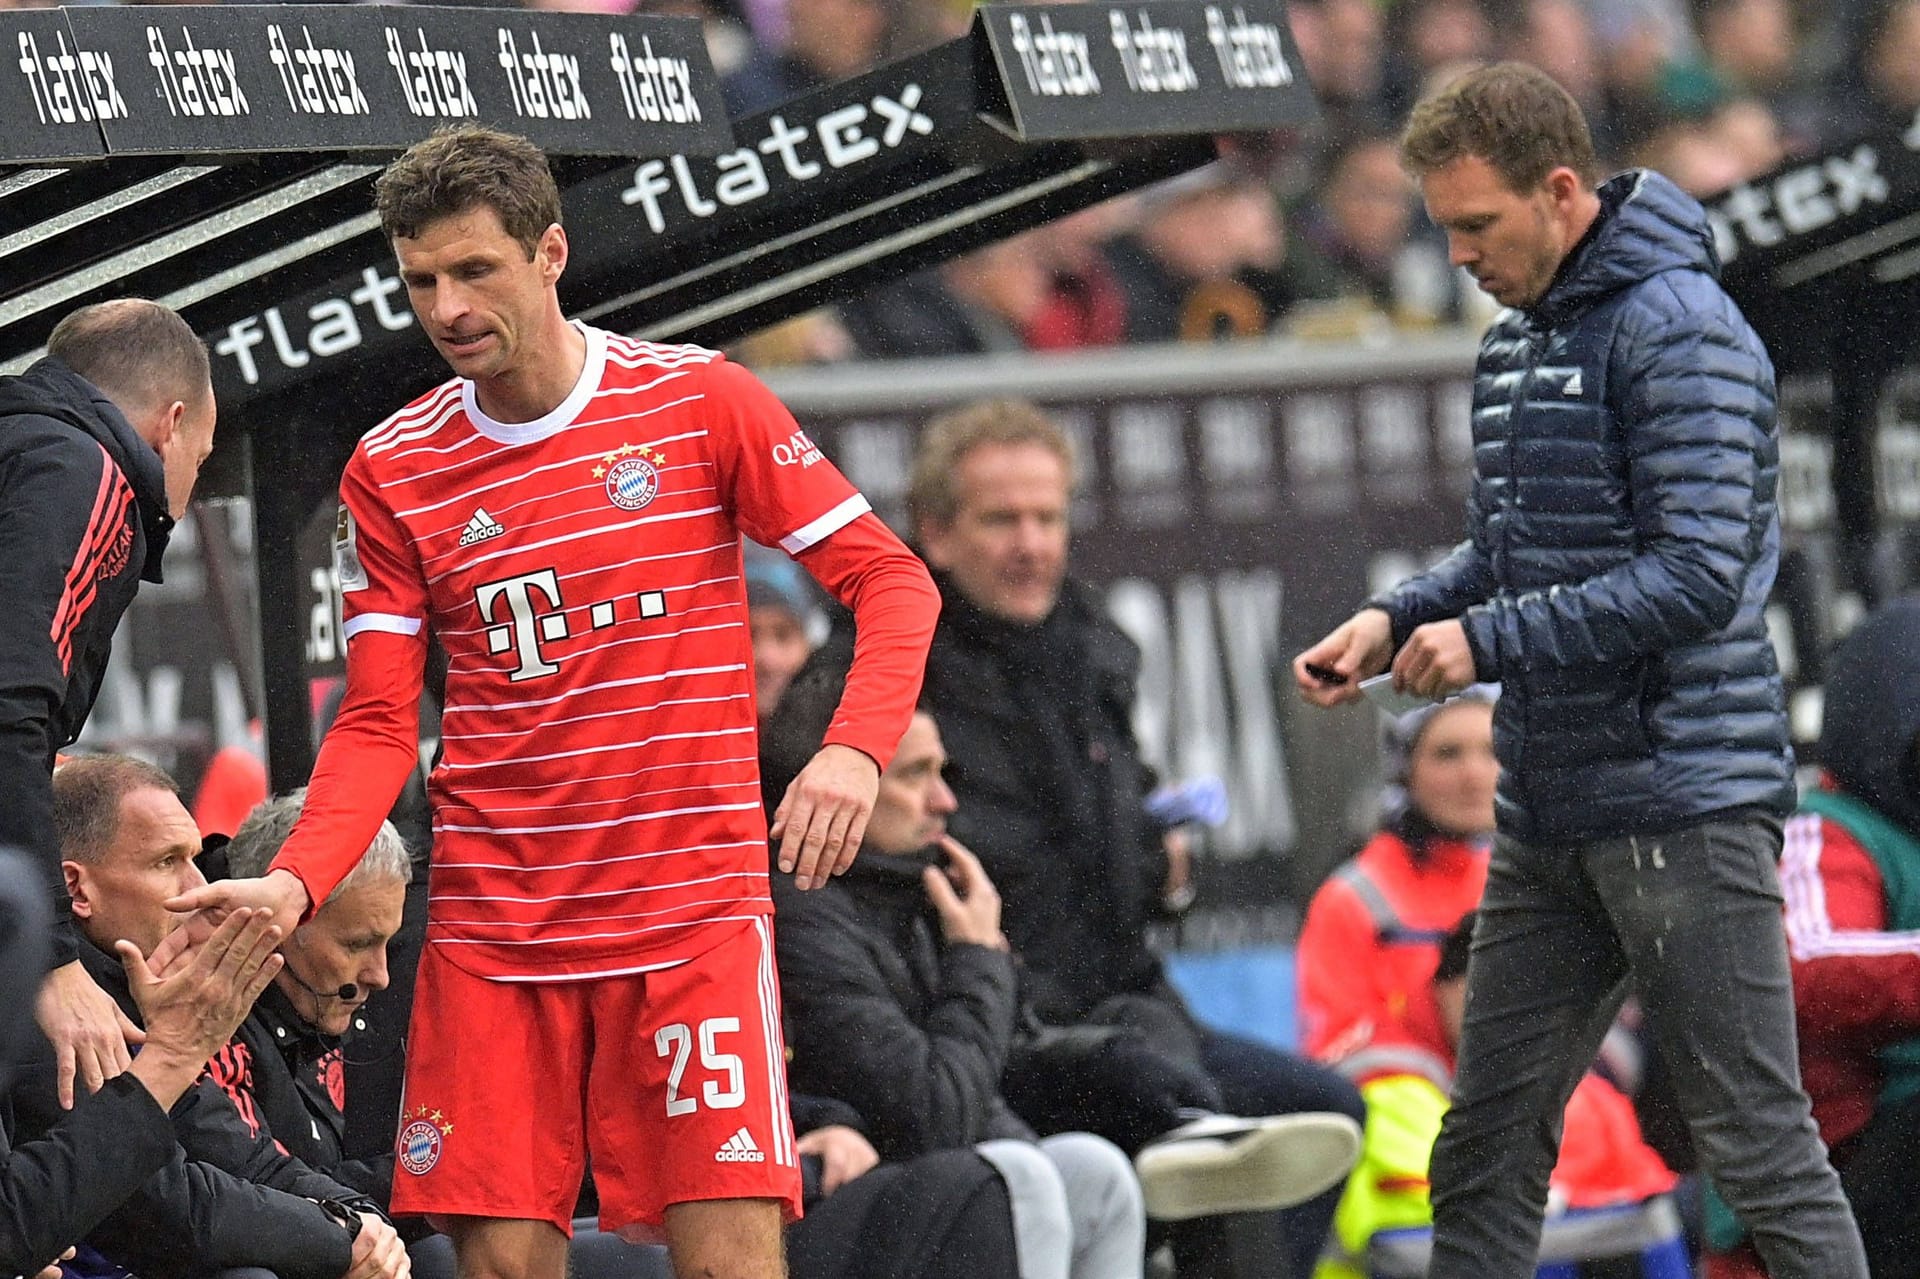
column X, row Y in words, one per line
column 1623, row 539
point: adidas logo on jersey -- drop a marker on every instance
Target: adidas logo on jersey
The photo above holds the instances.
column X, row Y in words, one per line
column 481, row 527
column 740, row 1150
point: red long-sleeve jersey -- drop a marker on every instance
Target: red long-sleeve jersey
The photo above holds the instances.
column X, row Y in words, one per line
column 598, row 798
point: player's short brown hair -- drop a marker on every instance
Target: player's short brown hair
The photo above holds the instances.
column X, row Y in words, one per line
column 140, row 353
column 87, row 794
column 1515, row 117
column 466, row 167
column 932, row 496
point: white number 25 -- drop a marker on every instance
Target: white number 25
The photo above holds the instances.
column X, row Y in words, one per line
column 677, row 1040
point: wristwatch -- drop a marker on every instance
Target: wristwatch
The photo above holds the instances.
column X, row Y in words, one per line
column 344, row 1214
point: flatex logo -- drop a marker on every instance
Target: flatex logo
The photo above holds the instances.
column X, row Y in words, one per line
column 841, row 138
column 332, row 325
column 1251, row 55
column 70, row 86
column 318, row 79
column 545, row 86
column 1057, row 63
column 433, row 81
column 1798, row 201
column 196, row 81
column 1155, row 58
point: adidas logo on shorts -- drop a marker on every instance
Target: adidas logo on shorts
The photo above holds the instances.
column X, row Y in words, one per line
column 481, row 527
column 740, row 1150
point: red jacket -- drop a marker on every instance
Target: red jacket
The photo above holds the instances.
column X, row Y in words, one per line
column 1367, row 954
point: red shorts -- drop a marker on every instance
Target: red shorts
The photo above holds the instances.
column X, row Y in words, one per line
column 674, row 1081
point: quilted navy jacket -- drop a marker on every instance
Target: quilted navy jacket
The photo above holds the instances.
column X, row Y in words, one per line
column 1623, row 538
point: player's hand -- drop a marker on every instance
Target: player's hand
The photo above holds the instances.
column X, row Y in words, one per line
column 844, row 1154
column 823, row 816
column 191, row 1013
column 378, row 1252
column 1358, row 648
column 1435, row 662
column 967, row 901
column 53, row 1271
column 88, row 1031
column 280, row 893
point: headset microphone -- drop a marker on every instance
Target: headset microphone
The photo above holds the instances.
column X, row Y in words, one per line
column 348, row 991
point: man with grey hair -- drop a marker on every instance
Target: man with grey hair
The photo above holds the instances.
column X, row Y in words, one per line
column 284, row 1067
column 100, row 445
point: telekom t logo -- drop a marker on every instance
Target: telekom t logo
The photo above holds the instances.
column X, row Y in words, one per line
column 534, row 614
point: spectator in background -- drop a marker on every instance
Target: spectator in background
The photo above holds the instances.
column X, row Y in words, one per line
column 1033, row 688
column 1558, row 37
column 1086, row 305
column 1353, row 237
column 1746, row 46
column 984, row 301
column 1201, row 263
column 234, row 1198
column 903, row 997
column 1879, row 88
column 1426, row 37
column 1688, row 153
column 1851, row 874
column 97, row 1157
column 783, row 616
column 825, row 41
column 1343, row 45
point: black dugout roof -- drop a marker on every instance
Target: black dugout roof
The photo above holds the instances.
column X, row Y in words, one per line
column 220, row 159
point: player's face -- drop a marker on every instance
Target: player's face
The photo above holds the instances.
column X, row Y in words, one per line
column 344, row 943
column 1452, row 776
column 1510, row 241
column 911, row 810
column 1007, row 545
column 483, row 303
column 122, row 896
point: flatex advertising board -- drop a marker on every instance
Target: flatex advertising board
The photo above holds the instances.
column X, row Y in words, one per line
column 53, row 93
column 235, row 79
column 1141, row 70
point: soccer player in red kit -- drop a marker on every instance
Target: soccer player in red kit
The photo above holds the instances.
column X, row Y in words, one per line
column 564, row 516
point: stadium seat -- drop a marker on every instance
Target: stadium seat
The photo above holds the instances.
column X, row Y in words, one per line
column 1649, row 1229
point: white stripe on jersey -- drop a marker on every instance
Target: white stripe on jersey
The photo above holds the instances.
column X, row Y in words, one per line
column 428, row 448
column 424, row 431
column 541, row 978
column 525, row 527
column 390, row 623
column 624, row 710
column 827, row 525
column 684, row 672
column 517, row 868
column 590, row 750
column 635, row 639
column 610, row 777
column 554, row 941
column 624, row 797
column 578, row 897
column 628, row 820
column 621, row 527
column 769, row 984
column 414, row 414
column 661, row 351
column 588, row 609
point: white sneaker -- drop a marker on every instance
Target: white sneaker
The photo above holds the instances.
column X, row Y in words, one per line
column 1222, row 1163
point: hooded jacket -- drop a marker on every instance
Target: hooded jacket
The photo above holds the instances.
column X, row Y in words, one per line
column 83, row 520
column 1623, row 538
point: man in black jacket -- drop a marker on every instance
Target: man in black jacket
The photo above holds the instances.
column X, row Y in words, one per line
column 56, row 1189
column 234, row 1197
column 100, row 445
column 1033, row 688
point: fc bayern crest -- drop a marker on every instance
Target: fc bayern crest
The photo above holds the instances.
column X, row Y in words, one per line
column 632, row 482
column 422, row 1140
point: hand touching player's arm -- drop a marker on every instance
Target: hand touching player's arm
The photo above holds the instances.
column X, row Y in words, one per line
column 823, row 817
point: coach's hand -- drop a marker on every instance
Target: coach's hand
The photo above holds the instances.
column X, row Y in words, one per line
column 1435, row 662
column 844, row 1155
column 88, row 1031
column 279, row 894
column 823, row 816
column 378, row 1252
column 1330, row 672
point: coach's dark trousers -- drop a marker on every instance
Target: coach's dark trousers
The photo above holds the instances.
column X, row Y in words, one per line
column 1692, row 918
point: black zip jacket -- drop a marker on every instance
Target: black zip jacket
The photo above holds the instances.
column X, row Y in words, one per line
column 228, row 1196
column 83, row 520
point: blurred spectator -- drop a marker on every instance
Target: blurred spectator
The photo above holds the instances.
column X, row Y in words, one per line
column 234, row 781
column 1879, row 88
column 96, row 1157
column 783, row 617
column 1747, row 129
column 1202, row 261
column 902, row 993
column 234, row 1198
column 826, row 40
column 1558, row 37
column 285, row 1068
column 1034, row 689
column 1085, row 305
column 1343, row 44
column 1850, row 872
column 984, row 301
column 1747, row 46
column 1426, row 38
column 1353, row 237
column 1690, row 154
